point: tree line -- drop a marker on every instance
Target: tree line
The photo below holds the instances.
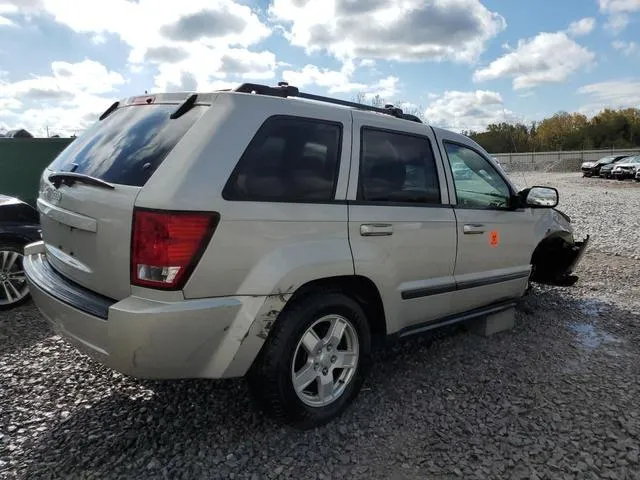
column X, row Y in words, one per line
column 564, row 131
column 608, row 129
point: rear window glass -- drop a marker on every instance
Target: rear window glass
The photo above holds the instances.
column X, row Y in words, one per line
column 129, row 145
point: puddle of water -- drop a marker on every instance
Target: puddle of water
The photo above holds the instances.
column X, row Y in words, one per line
column 591, row 337
column 592, row 308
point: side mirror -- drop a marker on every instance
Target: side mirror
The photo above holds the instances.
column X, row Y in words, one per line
column 542, row 197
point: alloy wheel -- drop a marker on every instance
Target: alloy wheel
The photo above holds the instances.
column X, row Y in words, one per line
column 325, row 361
column 13, row 283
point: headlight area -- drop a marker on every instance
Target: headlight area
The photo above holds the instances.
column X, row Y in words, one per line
column 555, row 259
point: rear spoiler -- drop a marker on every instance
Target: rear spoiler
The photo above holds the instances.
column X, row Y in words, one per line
column 183, row 100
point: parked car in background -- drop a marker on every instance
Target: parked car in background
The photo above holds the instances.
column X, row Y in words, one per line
column 18, row 227
column 226, row 234
column 637, row 177
column 606, row 169
column 592, row 169
column 626, row 168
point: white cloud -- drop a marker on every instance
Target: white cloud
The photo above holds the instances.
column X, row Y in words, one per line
column 628, row 49
column 68, row 99
column 611, row 94
column 385, row 88
column 341, row 81
column 201, row 68
column 458, row 111
column 389, row 29
column 546, row 58
column 212, row 35
column 98, row 39
column 617, row 23
column 67, row 80
column 148, row 23
column 9, row 103
column 619, row 6
column 618, row 11
column 67, row 119
column 582, row 27
column 8, row 8
column 335, row 81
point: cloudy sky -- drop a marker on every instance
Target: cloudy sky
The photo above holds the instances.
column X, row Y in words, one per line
column 465, row 63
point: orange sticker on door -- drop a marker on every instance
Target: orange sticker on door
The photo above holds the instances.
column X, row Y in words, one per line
column 494, row 238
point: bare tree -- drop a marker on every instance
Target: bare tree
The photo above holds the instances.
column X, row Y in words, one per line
column 378, row 101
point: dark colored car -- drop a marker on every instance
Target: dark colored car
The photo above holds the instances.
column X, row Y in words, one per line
column 19, row 225
column 592, row 169
column 606, row 169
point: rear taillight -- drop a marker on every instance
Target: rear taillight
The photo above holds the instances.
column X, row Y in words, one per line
column 166, row 246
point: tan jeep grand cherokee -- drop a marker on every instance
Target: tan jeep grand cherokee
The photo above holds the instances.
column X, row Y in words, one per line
column 276, row 234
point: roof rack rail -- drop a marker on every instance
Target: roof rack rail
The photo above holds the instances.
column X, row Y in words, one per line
column 285, row 90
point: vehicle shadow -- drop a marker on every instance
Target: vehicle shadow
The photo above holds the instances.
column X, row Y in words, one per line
column 210, row 428
column 22, row 327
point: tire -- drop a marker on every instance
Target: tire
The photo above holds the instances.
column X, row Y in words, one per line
column 284, row 354
column 13, row 292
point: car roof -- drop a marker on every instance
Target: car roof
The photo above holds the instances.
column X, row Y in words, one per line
column 283, row 92
column 286, row 93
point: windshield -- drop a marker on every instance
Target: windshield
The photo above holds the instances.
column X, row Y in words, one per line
column 129, row 145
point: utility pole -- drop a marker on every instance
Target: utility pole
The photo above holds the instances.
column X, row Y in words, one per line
column 47, row 131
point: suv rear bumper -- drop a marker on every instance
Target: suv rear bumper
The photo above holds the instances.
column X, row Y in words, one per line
column 202, row 338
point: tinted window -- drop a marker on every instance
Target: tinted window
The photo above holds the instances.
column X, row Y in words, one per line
column 397, row 168
column 478, row 184
column 289, row 159
column 127, row 146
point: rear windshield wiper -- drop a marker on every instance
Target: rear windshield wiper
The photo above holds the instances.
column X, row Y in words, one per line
column 69, row 178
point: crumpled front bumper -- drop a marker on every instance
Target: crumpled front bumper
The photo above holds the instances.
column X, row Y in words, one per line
column 556, row 266
column 577, row 253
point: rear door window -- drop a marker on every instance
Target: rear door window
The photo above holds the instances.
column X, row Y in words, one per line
column 397, row 168
column 290, row 159
column 129, row 145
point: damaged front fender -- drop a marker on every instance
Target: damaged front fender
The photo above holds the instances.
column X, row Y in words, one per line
column 557, row 254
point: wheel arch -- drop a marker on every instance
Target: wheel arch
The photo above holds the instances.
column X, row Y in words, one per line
column 549, row 260
column 13, row 238
column 359, row 288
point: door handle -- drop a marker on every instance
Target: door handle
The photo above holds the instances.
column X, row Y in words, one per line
column 473, row 229
column 376, row 229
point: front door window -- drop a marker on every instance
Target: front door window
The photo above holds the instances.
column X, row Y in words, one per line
column 478, row 184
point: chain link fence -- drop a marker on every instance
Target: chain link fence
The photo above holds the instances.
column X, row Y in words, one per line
column 567, row 161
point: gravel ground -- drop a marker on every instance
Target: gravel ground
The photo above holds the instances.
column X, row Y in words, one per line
column 555, row 398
